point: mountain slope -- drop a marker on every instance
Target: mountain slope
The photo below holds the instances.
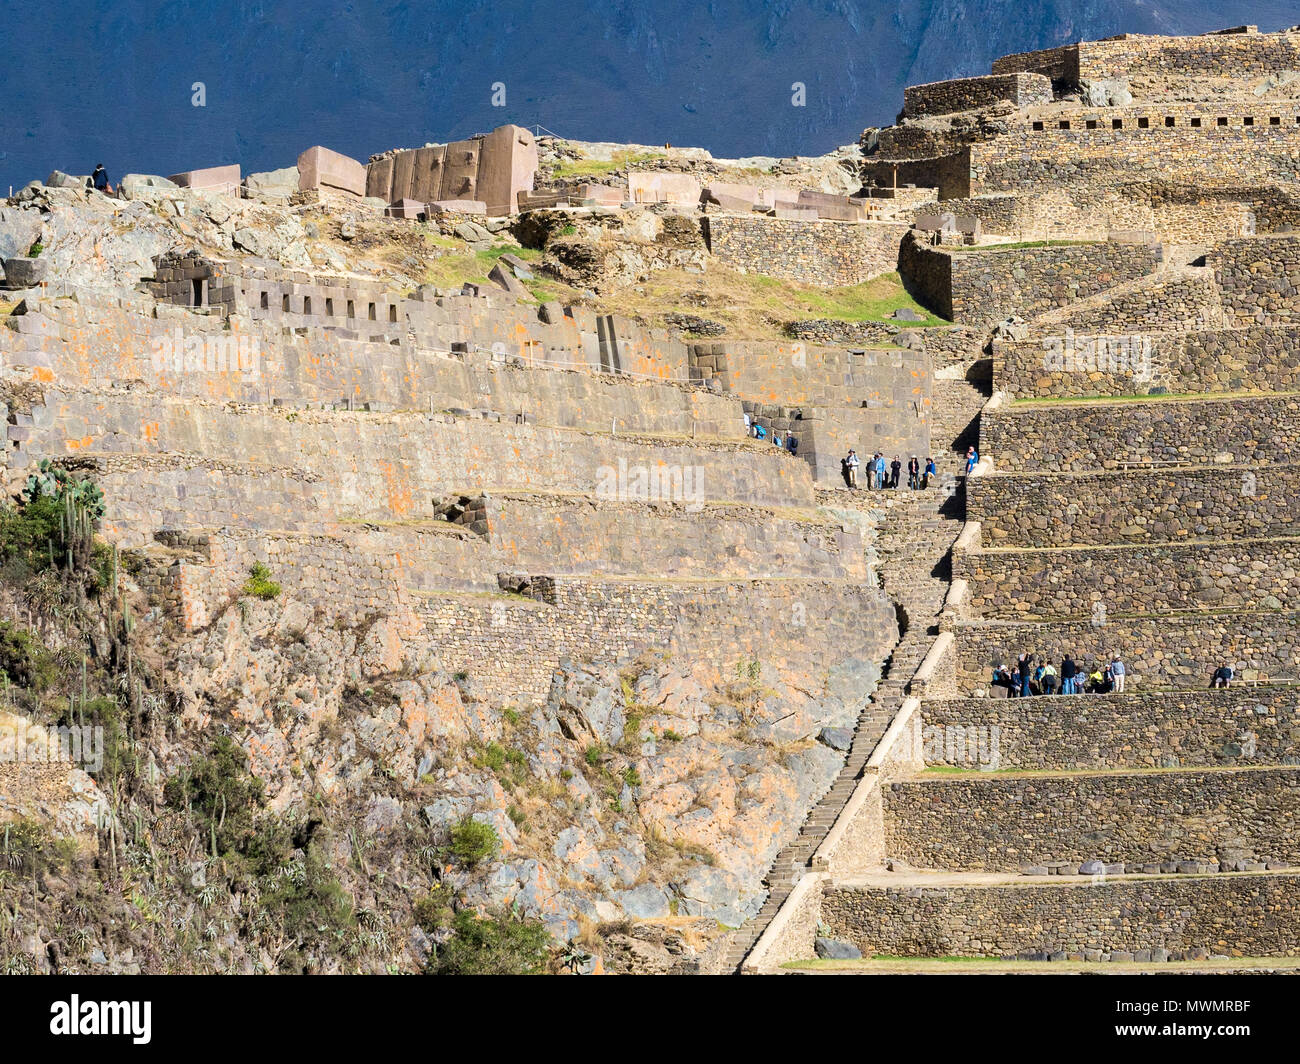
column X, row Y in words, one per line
column 111, row 80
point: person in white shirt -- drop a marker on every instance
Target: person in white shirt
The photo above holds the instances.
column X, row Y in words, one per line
column 1117, row 673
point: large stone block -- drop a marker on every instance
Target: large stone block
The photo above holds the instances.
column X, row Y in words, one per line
column 144, row 186
column 507, row 166
column 321, row 168
column 657, row 187
column 213, row 179
column 272, row 184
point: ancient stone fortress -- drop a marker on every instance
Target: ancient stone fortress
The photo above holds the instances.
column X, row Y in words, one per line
column 518, row 493
column 1134, row 497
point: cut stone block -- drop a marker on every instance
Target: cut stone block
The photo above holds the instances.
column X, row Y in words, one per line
column 272, row 184
column 212, row 179
column 405, row 208
column 321, row 168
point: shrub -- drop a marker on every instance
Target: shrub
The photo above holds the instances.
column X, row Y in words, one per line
column 433, row 911
column 473, row 841
column 222, row 795
column 31, row 532
column 593, row 754
column 259, row 583
column 25, row 659
column 492, row 945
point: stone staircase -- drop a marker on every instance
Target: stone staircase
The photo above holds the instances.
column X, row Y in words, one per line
column 915, row 534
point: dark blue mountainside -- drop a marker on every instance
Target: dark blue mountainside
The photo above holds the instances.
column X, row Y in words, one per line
column 111, row 80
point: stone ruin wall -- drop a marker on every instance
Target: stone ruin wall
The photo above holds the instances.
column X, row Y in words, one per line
column 980, row 287
column 492, row 169
column 977, row 823
column 1173, row 214
column 970, row 94
column 1237, row 154
column 1135, row 730
column 822, row 253
column 1057, row 64
column 1171, row 651
column 831, row 399
column 1229, row 55
column 714, row 623
column 1248, row 575
column 1071, row 438
column 1134, row 57
column 1169, row 916
column 1262, row 358
column 1095, row 509
column 1258, row 279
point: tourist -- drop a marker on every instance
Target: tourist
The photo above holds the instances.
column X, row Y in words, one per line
column 1098, row 684
column 1117, row 673
column 851, row 464
column 1222, row 676
column 760, row 433
column 880, row 471
column 1026, row 674
column 1069, row 670
column 1002, row 678
column 972, row 459
column 914, row 473
column 792, row 444
column 930, row 470
column 1049, row 678
column 895, row 469
column 1015, row 682
column 100, row 180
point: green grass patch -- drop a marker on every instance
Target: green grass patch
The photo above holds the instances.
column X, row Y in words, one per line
column 620, row 160
column 874, row 300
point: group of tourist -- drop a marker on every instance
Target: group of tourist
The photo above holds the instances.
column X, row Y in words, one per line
column 788, row 442
column 1037, row 675
column 881, row 476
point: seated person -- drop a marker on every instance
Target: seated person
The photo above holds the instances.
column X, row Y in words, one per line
column 1222, row 676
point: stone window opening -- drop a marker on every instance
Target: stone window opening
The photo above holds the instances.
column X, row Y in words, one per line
column 329, row 308
column 372, row 313
column 306, row 304
column 1038, row 127
column 392, row 312
column 1223, row 121
column 1275, row 121
column 1065, row 125
column 1170, row 121
column 352, row 309
column 1196, row 123
column 1248, row 121
column 197, row 295
column 1144, row 123
column 1117, row 123
column 1091, row 123
column 284, row 306
column 266, row 301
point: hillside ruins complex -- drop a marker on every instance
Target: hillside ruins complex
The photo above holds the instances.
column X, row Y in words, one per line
column 524, row 512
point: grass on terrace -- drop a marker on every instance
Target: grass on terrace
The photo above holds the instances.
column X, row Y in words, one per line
column 620, row 160
column 751, row 306
column 461, row 264
column 754, row 306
